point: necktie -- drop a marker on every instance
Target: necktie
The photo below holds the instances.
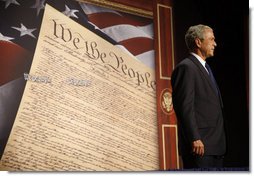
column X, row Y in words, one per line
column 212, row 78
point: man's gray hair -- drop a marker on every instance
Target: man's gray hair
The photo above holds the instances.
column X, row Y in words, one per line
column 193, row 33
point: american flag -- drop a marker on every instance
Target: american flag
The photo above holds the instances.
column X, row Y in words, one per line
column 20, row 22
column 133, row 33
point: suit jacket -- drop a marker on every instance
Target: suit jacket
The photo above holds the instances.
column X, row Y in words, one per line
column 198, row 108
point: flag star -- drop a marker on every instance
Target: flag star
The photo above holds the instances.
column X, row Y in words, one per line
column 24, row 31
column 39, row 5
column 8, row 2
column 5, row 38
column 70, row 12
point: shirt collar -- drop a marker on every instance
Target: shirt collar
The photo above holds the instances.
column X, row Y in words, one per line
column 199, row 59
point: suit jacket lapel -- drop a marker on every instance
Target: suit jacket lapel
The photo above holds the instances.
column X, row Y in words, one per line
column 203, row 71
column 205, row 74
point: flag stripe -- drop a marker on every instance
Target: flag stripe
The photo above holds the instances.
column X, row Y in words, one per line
column 14, row 61
column 124, row 32
column 106, row 19
column 147, row 58
column 138, row 45
column 91, row 9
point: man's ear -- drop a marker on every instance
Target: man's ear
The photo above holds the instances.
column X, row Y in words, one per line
column 198, row 42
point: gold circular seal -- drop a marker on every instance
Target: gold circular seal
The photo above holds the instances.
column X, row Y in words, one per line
column 166, row 101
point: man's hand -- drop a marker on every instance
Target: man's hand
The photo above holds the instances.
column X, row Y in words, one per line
column 198, row 147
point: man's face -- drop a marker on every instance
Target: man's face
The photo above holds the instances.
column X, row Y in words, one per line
column 208, row 44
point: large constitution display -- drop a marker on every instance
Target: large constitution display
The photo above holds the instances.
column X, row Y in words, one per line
column 86, row 106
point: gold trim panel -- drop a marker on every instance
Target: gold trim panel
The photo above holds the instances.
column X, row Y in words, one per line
column 159, row 39
column 120, row 7
column 164, row 147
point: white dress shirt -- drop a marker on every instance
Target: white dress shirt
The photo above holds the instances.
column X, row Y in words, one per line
column 200, row 60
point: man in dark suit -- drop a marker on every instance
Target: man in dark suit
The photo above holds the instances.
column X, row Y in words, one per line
column 197, row 103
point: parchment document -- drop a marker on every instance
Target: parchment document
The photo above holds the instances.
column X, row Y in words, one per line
column 87, row 106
